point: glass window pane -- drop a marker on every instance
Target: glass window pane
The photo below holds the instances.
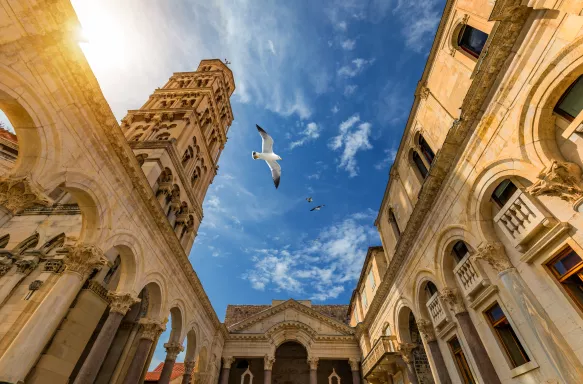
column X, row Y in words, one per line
column 495, row 313
column 566, row 263
column 472, row 40
column 460, row 250
column 426, row 149
column 574, row 286
column 512, row 344
column 420, row 165
column 504, row 192
column 572, row 101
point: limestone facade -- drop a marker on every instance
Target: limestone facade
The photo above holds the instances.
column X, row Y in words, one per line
column 483, row 208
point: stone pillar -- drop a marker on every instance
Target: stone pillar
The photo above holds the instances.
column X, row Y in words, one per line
column 27, row 346
column 188, row 367
column 150, row 330
column 172, row 350
column 558, row 351
column 355, row 368
column 267, row 367
column 23, row 268
column 313, row 362
column 119, row 306
column 406, row 350
column 426, row 329
column 227, row 361
column 474, row 343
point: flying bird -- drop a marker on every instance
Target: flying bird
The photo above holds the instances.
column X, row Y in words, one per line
column 309, row 199
column 227, row 62
column 268, row 155
column 317, row 208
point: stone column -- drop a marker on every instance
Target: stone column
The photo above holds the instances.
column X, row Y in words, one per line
column 428, row 332
column 150, row 330
column 558, row 351
column 119, row 306
column 474, row 343
column 23, row 267
column 172, row 350
column 406, row 350
column 355, row 368
column 267, row 367
column 227, row 361
column 27, row 346
column 188, row 367
column 313, row 362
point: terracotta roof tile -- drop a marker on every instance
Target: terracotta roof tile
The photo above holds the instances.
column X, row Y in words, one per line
column 154, row 375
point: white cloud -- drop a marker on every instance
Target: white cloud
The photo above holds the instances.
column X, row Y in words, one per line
column 390, row 154
column 355, row 67
column 349, row 89
column 348, row 44
column 271, row 47
column 419, row 20
column 320, row 268
column 310, row 133
column 353, row 138
column 335, row 109
column 342, row 25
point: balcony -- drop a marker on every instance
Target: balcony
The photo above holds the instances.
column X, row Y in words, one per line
column 470, row 276
column 521, row 219
column 437, row 310
column 383, row 353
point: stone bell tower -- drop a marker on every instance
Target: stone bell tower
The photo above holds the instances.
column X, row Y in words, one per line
column 177, row 137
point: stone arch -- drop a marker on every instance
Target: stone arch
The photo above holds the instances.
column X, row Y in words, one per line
column 38, row 149
column 442, row 263
column 191, row 343
column 201, row 364
column 536, row 127
column 156, row 296
column 28, row 243
column 178, row 314
column 401, row 320
column 291, row 331
column 423, row 278
column 53, row 243
column 128, row 251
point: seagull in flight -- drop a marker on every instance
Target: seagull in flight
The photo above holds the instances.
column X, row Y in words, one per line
column 309, row 199
column 268, row 155
column 227, row 62
column 317, row 208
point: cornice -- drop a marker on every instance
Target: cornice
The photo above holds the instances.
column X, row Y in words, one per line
column 261, row 337
column 503, row 37
column 173, row 154
column 297, row 306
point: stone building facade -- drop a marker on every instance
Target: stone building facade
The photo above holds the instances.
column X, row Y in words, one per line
column 480, row 275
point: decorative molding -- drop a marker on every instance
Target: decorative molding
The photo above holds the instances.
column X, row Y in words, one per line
column 426, row 329
column 25, row 266
column 151, row 329
column 56, row 209
column 454, row 300
column 53, row 266
column 560, row 179
column 83, row 259
column 121, row 302
column 172, row 350
column 98, row 289
column 228, row 361
column 555, row 233
column 495, row 255
column 313, row 362
column 406, row 350
column 19, row 193
column 483, row 296
column 268, row 361
column 354, row 364
column 35, row 285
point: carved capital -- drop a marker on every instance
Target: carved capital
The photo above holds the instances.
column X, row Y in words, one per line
column 172, row 350
column 83, row 259
column 19, row 193
column 424, row 92
column 426, row 329
column 406, row 350
column 188, row 367
column 121, row 302
column 25, row 266
column 151, row 329
column 354, row 364
column 313, row 362
column 560, row 179
column 452, row 297
column 495, row 255
column 268, row 362
column 4, row 268
column 35, row 285
column 228, row 361
column 53, row 266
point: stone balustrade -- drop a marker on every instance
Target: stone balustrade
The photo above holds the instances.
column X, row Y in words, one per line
column 521, row 219
column 385, row 346
column 470, row 276
column 437, row 310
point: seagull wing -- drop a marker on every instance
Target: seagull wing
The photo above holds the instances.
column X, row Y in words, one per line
column 313, row 209
column 275, row 172
column 267, row 141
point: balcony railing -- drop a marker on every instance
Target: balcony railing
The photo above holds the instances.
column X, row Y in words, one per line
column 521, row 218
column 437, row 310
column 385, row 346
column 470, row 276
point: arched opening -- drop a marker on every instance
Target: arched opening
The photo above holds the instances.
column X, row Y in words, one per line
column 426, row 150
column 4, row 240
column 54, row 243
column 291, row 364
column 394, row 225
column 471, row 40
column 200, row 374
column 420, row 166
column 409, row 333
column 28, row 243
column 503, row 192
column 571, row 102
column 428, row 293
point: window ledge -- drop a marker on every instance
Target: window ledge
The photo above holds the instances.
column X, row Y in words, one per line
column 524, row 368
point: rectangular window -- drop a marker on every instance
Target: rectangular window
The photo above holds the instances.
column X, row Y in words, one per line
column 506, row 336
column 460, row 361
column 571, row 103
column 364, row 301
column 371, row 280
column 567, row 268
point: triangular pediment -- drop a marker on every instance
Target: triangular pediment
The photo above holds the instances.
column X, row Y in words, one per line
column 291, row 312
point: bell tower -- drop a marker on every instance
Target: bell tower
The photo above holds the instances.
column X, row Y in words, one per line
column 177, row 137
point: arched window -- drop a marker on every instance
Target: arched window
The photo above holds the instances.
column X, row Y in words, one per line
column 4, row 240
column 503, row 192
column 28, row 243
column 163, row 136
column 420, row 164
column 426, row 150
column 571, row 103
column 430, row 290
column 112, row 270
column 394, row 224
column 56, row 242
column 471, row 40
column 137, row 137
column 188, row 154
column 459, row 251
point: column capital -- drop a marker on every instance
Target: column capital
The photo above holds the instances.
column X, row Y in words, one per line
column 26, row 265
column 228, row 361
column 121, row 302
column 19, row 193
column 4, row 268
column 452, row 297
column 354, row 364
column 172, row 350
column 560, row 179
column 189, row 366
column 313, row 362
column 268, row 361
column 426, row 329
column 82, row 259
column 151, row 329
column 495, row 255
column 406, row 350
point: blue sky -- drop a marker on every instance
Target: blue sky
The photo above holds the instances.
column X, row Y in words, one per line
column 331, row 81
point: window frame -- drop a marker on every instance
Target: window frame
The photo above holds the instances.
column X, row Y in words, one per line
column 556, row 109
column 493, row 326
column 467, row 50
column 462, row 373
column 497, row 200
column 422, row 169
column 558, row 278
